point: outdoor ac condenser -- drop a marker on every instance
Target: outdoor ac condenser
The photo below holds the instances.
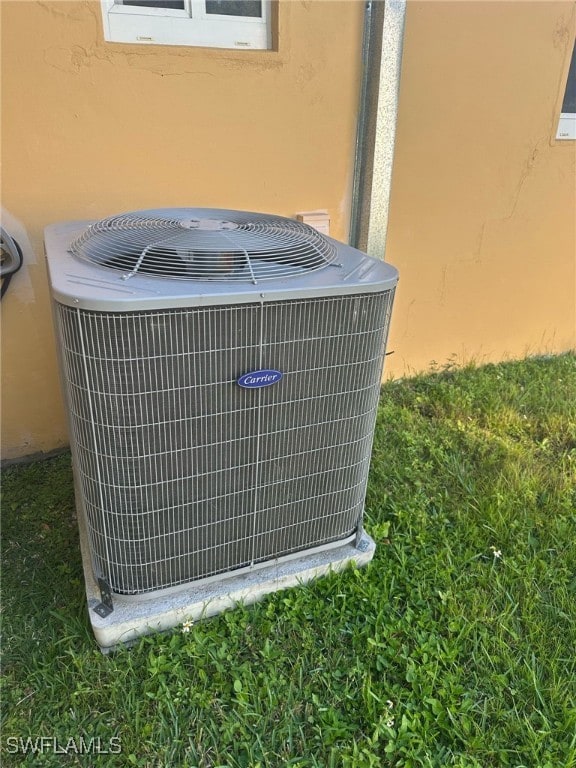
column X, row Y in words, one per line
column 221, row 372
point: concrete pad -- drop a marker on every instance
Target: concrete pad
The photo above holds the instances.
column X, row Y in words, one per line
column 137, row 615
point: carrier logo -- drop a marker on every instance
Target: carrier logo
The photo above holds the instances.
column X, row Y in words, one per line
column 256, row 379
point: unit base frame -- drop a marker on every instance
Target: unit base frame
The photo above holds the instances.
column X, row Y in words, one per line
column 133, row 617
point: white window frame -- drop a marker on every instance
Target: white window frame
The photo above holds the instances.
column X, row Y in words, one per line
column 191, row 26
column 567, row 121
column 566, row 126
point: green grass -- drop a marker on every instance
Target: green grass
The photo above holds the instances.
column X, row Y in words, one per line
column 440, row 653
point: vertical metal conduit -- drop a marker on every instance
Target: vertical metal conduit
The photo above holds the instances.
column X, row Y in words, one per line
column 381, row 63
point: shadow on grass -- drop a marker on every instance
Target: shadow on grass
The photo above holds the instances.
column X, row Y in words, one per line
column 454, row 647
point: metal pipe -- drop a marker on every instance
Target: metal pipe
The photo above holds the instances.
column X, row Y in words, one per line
column 381, row 62
column 371, row 52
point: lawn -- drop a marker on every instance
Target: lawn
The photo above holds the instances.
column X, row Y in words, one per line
column 456, row 646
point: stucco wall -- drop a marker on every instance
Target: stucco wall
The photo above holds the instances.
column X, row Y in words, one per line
column 91, row 129
column 483, row 207
column 482, row 220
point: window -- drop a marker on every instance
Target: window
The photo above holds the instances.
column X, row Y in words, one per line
column 212, row 23
column 567, row 122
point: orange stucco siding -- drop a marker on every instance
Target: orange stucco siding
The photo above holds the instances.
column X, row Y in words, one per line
column 92, row 128
column 482, row 219
column 483, row 203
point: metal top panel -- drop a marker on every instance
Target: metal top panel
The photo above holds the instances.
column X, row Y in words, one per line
column 87, row 285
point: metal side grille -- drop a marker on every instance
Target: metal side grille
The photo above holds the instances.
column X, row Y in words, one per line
column 183, row 473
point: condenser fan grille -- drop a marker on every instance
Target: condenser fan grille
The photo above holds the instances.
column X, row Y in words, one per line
column 204, row 244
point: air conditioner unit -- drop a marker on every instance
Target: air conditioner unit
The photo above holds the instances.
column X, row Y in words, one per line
column 221, row 372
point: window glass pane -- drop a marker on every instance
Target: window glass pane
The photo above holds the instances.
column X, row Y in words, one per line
column 252, row 8
column 569, row 104
column 176, row 4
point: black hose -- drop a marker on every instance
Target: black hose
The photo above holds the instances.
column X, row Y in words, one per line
column 10, row 244
column 5, row 283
